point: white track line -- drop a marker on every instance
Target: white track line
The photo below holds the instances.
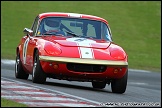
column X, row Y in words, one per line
column 5, row 61
column 138, row 83
column 135, row 70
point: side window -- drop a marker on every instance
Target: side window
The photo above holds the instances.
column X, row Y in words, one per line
column 34, row 26
column 106, row 34
column 41, row 29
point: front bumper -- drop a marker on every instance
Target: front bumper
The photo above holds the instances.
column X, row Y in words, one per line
column 49, row 62
column 83, row 61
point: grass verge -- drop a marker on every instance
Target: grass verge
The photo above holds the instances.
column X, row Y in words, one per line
column 10, row 103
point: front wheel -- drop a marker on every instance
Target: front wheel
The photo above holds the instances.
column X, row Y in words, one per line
column 19, row 71
column 119, row 85
column 38, row 76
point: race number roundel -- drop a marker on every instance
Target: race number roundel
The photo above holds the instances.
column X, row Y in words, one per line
column 81, row 41
column 25, row 50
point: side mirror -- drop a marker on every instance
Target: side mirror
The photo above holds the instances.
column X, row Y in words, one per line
column 28, row 31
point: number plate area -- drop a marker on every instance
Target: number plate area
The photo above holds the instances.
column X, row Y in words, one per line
column 86, row 67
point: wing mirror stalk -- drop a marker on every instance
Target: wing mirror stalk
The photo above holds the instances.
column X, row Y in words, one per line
column 28, row 32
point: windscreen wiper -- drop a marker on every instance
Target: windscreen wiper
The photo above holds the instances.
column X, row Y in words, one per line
column 73, row 34
column 56, row 34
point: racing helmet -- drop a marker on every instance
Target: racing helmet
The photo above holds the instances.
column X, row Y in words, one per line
column 51, row 24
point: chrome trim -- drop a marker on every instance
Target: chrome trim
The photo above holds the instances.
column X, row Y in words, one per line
column 82, row 61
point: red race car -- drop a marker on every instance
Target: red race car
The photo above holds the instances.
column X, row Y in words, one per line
column 73, row 47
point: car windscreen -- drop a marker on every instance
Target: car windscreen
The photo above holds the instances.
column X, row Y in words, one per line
column 79, row 27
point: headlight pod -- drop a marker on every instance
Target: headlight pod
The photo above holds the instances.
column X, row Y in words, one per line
column 52, row 49
column 118, row 54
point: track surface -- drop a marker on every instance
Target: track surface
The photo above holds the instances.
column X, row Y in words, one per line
column 144, row 88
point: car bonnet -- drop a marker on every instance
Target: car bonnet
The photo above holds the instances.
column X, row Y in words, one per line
column 79, row 42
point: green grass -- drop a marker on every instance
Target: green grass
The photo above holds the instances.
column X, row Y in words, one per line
column 135, row 25
column 10, row 103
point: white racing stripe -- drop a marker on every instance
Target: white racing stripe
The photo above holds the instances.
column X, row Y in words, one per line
column 86, row 52
column 85, row 49
column 74, row 15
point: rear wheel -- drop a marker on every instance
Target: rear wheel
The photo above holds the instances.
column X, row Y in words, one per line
column 38, row 76
column 99, row 85
column 19, row 71
column 119, row 85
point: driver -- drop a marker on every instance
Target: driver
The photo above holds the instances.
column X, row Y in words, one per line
column 53, row 25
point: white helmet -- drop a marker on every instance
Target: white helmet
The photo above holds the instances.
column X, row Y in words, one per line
column 51, row 24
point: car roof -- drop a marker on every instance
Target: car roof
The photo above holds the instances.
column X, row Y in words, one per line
column 71, row 15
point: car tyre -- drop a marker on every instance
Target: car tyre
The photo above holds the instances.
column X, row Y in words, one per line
column 99, row 85
column 19, row 71
column 119, row 85
column 38, row 75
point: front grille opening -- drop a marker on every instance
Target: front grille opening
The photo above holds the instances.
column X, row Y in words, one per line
column 86, row 67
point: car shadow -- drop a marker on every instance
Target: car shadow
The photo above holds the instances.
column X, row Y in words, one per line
column 79, row 87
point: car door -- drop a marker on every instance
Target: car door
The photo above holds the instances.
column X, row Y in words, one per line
column 29, row 44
